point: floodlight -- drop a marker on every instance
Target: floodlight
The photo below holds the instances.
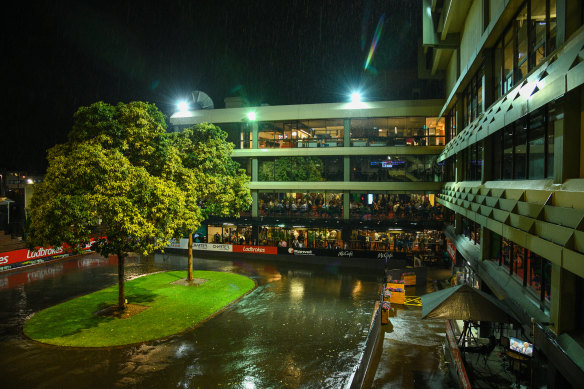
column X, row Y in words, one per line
column 251, row 115
column 355, row 97
column 183, row 106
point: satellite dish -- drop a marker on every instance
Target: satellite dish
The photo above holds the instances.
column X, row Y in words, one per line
column 202, row 100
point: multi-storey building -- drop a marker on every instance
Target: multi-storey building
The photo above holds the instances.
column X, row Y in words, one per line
column 513, row 171
column 359, row 176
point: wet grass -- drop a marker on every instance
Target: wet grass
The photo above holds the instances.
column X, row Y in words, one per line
column 172, row 309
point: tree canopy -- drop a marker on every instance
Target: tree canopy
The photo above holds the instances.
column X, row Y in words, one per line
column 118, row 177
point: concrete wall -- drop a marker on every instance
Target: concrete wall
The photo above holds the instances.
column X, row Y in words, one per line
column 452, row 72
column 471, row 35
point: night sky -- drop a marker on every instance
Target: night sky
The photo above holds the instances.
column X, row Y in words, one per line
column 60, row 55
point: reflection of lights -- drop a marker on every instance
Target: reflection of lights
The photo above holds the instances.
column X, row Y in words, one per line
column 357, row 289
column 248, row 383
column 296, row 289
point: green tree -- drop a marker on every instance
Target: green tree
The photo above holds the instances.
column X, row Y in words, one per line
column 117, row 177
column 222, row 188
column 292, row 169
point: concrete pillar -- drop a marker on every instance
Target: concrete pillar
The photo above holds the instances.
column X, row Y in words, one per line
column 347, row 133
column 563, row 299
column 254, row 134
column 346, row 204
column 567, row 138
column 254, row 203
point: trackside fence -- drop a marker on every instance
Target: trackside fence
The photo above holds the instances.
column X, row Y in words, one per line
column 364, row 366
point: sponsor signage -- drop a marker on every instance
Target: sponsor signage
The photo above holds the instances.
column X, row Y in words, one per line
column 451, row 248
column 255, row 249
column 182, row 243
column 26, row 257
column 212, row 247
column 345, row 253
column 300, row 251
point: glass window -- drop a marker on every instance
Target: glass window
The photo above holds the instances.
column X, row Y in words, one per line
column 507, row 153
column 508, row 61
column 554, row 113
column 536, row 143
column 520, row 155
column 284, row 169
column 521, row 29
column 498, row 74
column 496, row 144
column 552, row 26
column 538, row 31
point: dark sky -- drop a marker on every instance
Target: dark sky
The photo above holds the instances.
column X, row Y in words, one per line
column 60, row 55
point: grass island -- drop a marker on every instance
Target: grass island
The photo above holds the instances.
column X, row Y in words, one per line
column 163, row 305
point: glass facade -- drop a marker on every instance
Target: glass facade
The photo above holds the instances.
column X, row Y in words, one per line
column 525, row 149
column 286, row 169
column 398, row 168
column 398, row 131
column 526, row 42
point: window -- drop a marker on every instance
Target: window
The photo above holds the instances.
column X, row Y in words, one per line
column 496, row 147
column 525, row 149
column 521, row 45
column 283, row 169
column 536, row 146
column 520, row 152
column 538, row 28
column 507, row 61
column 507, row 153
column 528, row 40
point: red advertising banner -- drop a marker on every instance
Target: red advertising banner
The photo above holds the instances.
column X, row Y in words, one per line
column 23, row 255
column 451, row 248
column 254, row 249
column 459, row 363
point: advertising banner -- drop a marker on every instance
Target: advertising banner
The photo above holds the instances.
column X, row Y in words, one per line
column 255, row 249
column 182, row 243
column 26, row 257
column 212, row 247
column 451, row 248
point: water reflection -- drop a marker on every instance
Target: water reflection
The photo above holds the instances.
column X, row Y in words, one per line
column 302, row 327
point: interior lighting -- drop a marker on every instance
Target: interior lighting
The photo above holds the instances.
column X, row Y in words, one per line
column 183, row 106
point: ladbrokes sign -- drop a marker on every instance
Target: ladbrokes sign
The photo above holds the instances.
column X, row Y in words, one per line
column 255, row 249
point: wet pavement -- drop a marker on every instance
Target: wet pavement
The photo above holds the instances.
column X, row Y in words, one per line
column 302, row 327
column 412, row 354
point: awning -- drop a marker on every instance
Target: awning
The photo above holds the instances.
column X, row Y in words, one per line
column 464, row 302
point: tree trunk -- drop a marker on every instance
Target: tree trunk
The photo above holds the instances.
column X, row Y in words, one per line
column 121, row 285
column 190, row 259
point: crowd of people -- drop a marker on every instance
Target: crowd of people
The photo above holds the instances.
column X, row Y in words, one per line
column 382, row 207
column 302, row 205
column 389, row 207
